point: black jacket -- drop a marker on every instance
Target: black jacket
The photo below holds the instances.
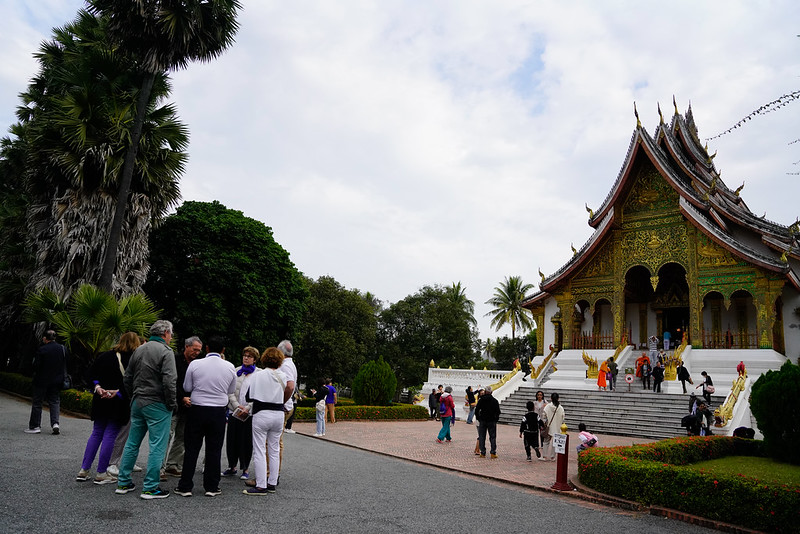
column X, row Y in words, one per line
column 48, row 364
column 529, row 423
column 488, row 409
column 106, row 372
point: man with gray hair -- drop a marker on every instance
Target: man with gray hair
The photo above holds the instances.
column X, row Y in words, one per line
column 150, row 383
column 192, row 347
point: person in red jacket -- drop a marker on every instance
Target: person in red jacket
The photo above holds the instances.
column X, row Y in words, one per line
column 447, row 409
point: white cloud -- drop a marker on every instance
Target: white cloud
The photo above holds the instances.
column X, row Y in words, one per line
column 396, row 144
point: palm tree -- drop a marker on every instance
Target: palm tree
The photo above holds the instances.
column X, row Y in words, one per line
column 507, row 302
column 458, row 296
column 73, row 129
column 159, row 35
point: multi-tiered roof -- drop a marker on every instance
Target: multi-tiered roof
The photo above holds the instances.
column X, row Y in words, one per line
column 705, row 201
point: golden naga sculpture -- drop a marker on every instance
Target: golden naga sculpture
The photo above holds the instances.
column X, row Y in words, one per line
column 723, row 414
column 591, row 372
column 506, row 378
column 538, row 370
column 739, row 189
column 589, row 210
column 623, row 342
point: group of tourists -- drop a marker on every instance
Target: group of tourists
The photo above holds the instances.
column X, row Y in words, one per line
column 182, row 402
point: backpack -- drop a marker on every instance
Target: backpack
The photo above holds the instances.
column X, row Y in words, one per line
column 442, row 408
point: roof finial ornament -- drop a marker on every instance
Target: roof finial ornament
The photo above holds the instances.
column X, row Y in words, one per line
column 573, row 249
column 739, row 189
column 636, row 114
column 675, row 105
column 541, row 274
column 590, row 211
column 660, row 116
column 784, row 259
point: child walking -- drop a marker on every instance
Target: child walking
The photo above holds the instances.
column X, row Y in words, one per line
column 529, row 430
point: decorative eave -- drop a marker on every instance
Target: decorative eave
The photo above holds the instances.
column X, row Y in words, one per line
column 729, row 242
column 580, row 258
column 535, row 299
column 781, row 246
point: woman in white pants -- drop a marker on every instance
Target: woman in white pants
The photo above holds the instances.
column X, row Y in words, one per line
column 269, row 390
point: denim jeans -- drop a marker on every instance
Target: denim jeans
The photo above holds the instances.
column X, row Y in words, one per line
column 321, row 417
column 53, row 395
column 153, row 419
column 470, row 415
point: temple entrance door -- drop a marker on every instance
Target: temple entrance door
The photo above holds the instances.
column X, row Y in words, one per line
column 671, row 299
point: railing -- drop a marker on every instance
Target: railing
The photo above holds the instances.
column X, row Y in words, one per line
column 729, row 340
column 724, row 413
column 603, row 340
column 535, row 373
column 671, row 367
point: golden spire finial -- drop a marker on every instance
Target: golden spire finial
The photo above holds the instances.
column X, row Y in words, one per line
column 660, row 116
column 573, row 249
column 636, row 114
column 541, row 274
column 589, row 210
column 739, row 189
column 675, row 105
column 784, row 259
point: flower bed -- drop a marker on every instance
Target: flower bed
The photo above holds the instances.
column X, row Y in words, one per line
column 659, row 474
column 378, row 413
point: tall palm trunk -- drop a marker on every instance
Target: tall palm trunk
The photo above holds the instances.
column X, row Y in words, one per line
column 110, row 259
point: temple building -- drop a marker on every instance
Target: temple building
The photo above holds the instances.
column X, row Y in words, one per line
column 675, row 250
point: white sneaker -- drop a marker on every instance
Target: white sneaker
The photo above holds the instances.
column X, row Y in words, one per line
column 317, row 434
column 137, row 468
column 37, row 430
column 113, row 470
column 289, row 431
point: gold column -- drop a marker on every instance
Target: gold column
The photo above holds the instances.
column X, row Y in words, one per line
column 695, row 299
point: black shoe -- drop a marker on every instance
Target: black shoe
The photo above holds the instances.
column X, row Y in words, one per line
column 270, row 488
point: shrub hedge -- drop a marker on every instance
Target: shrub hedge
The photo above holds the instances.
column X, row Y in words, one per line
column 81, row 402
column 375, row 413
column 74, row 400
column 658, row 473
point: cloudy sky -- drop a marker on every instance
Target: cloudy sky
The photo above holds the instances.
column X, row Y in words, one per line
column 394, row 144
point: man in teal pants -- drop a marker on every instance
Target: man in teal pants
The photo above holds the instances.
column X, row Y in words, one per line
column 150, row 382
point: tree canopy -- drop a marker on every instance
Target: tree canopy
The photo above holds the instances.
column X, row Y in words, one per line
column 339, row 330
column 507, row 301
column 429, row 324
column 215, row 271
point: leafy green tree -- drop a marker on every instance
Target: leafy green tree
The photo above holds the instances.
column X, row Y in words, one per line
column 67, row 152
column 507, row 301
column 776, row 406
column 339, row 331
column 159, row 35
column 375, row 384
column 215, row 271
column 91, row 320
column 509, row 349
column 428, row 325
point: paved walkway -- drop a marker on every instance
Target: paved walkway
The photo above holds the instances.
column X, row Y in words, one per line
column 416, row 441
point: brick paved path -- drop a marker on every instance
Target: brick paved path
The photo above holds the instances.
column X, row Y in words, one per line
column 415, row 441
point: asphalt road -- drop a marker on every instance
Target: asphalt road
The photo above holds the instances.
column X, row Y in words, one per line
column 324, row 487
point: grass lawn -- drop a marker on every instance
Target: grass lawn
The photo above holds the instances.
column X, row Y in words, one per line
column 764, row 469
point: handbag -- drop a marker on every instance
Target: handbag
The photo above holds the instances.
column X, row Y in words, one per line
column 67, row 384
column 711, row 389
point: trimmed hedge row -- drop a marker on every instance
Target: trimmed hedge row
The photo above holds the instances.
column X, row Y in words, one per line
column 309, row 402
column 81, row 402
column 74, row 400
column 658, row 473
column 375, row 413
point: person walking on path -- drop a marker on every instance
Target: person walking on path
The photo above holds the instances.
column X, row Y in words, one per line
column 433, row 404
column 538, row 406
column 269, row 390
column 320, row 394
column 529, row 431
column 150, row 384
column 708, row 387
column 192, row 347
column 239, row 436
column 614, row 371
column 658, row 376
column 209, row 381
column 554, row 416
column 49, row 372
column 110, row 407
column 683, row 375
column 471, row 403
column 447, row 412
column 330, row 401
column 488, row 413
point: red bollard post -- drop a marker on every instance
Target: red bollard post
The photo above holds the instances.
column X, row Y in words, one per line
column 561, row 465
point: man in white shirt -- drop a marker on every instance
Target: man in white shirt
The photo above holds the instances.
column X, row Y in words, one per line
column 209, row 381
